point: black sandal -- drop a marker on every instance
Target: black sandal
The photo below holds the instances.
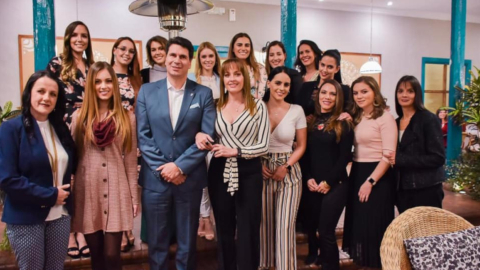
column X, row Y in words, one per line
column 85, row 255
column 73, row 249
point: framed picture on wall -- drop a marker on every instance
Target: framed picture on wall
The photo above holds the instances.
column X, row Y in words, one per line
column 351, row 64
column 102, row 50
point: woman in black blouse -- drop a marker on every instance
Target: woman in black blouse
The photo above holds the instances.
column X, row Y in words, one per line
column 276, row 55
column 235, row 179
column 329, row 147
column 308, row 57
column 124, row 60
column 329, row 69
column 420, row 153
column 71, row 70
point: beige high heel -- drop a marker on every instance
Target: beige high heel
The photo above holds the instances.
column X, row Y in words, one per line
column 209, row 234
column 201, row 228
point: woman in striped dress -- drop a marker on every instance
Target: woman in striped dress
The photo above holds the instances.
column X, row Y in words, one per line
column 235, row 175
column 282, row 187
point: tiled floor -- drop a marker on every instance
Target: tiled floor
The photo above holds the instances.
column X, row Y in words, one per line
column 136, row 259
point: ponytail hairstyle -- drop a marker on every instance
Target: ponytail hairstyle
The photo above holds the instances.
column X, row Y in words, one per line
column 335, row 54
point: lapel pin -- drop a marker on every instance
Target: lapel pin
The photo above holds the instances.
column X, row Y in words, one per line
column 191, row 94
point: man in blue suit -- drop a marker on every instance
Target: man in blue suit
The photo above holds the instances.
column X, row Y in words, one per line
column 169, row 113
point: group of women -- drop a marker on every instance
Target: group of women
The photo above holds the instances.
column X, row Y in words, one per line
column 283, row 139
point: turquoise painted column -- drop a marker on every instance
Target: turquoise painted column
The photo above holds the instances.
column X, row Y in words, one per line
column 457, row 76
column 43, row 32
column 289, row 29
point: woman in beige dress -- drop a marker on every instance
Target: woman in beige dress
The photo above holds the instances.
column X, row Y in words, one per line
column 105, row 194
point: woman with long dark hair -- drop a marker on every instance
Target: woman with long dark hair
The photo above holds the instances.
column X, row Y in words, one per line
column 282, row 186
column 37, row 159
column 241, row 48
column 106, row 190
column 308, row 57
column 71, row 69
column 370, row 202
column 420, row 153
column 329, row 69
column 156, row 55
column 442, row 115
column 124, row 60
column 276, row 56
column 325, row 173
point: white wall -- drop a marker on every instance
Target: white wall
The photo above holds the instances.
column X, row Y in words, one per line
column 402, row 41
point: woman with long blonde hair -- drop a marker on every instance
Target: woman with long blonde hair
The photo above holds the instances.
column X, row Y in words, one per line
column 71, row 68
column 241, row 48
column 207, row 73
column 105, row 194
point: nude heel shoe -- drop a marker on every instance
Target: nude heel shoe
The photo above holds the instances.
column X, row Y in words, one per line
column 201, row 228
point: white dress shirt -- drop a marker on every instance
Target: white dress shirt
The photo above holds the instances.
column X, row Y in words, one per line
column 175, row 99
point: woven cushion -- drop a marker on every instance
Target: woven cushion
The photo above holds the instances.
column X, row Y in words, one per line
column 457, row 250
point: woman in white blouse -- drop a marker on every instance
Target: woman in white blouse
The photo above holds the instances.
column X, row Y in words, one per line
column 207, row 73
column 235, row 174
column 36, row 163
column 281, row 173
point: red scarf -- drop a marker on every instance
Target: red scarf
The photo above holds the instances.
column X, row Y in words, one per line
column 104, row 132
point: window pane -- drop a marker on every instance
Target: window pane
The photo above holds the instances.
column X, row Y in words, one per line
column 433, row 101
column 434, row 77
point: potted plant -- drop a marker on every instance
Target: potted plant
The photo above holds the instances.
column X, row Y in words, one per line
column 6, row 113
column 464, row 173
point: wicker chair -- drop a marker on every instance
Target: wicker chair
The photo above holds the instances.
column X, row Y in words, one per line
column 413, row 223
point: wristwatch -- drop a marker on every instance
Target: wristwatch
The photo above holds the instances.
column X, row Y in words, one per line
column 371, row 181
column 239, row 152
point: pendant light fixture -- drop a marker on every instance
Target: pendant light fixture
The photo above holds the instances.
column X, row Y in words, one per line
column 371, row 66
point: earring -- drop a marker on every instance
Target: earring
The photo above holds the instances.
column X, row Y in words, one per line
column 375, row 104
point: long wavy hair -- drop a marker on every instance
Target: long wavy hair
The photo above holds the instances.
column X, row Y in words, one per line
column 332, row 123
column 417, row 88
column 133, row 69
column 69, row 68
column 379, row 104
column 89, row 112
column 316, row 51
column 55, row 117
column 270, row 45
column 198, row 67
column 251, row 60
column 249, row 100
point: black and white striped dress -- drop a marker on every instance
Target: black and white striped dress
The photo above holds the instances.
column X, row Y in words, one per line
column 250, row 133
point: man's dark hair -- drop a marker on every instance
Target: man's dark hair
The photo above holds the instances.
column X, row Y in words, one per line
column 183, row 42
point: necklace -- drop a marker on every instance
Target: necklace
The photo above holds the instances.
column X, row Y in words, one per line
column 236, row 110
column 53, row 158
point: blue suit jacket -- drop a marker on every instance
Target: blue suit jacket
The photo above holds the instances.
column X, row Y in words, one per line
column 26, row 175
column 161, row 144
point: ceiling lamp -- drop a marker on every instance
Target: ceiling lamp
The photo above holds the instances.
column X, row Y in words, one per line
column 172, row 14
column 371, row 66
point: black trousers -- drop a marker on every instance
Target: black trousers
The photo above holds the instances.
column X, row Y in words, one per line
column 240, row 213
column 325, row 211
column 429, row 196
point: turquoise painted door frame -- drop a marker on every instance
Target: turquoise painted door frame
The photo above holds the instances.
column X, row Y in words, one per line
column 442, row 61
column 43, row 32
